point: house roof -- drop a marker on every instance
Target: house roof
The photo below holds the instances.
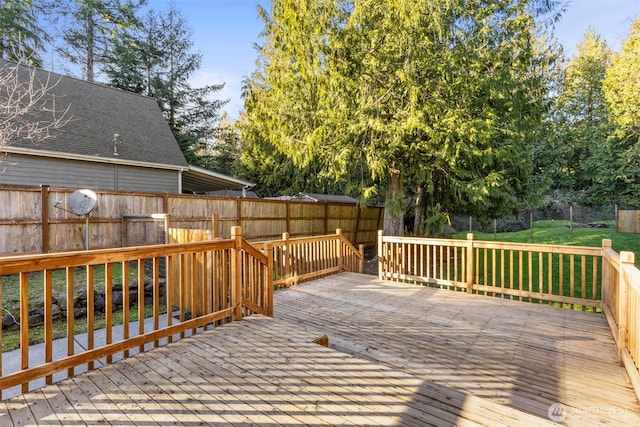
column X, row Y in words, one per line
column 199, row 180
column 97, row 113
column 110, row 125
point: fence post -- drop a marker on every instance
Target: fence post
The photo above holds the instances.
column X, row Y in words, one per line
column 606, row 271
column 339, row 249
column 215, row 226
column 380, row 254
column 236, row 273
column 469, row 267
column 361, row 263
column 627, row 260
column 44, row 218
column 268, row 248
column 167, row 226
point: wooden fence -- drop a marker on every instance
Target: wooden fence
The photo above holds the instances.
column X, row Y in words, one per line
column 594, row 279
column 241, row 285
column 628, row 221
column 29, row 224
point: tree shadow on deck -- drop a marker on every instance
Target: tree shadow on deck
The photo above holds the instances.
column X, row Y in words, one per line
column 516, row 355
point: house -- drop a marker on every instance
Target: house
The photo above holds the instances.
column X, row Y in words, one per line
column 112, row 140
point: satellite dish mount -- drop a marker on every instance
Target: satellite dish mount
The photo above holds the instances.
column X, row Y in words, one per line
column 81, row 202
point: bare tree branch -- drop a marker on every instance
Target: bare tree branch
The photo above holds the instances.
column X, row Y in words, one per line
column 28, row 109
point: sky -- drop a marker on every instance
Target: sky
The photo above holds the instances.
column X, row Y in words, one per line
column 225, row 31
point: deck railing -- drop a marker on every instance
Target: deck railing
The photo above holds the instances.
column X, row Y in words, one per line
column 235, row 280
column 299, row 259
column 586, row 278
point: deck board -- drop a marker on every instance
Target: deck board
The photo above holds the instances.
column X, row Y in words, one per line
column 522, row 355
column 398, row 355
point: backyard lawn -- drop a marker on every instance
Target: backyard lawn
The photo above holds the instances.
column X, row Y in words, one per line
column 558, row 233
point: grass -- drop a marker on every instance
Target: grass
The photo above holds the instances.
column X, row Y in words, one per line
column 558, row 233
column 552, row 233
column 11, row 301
column 11, row 339
column 11, row 284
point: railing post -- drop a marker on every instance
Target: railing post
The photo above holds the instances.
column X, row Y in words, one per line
column 469, row 266
column 606, row 271
column 627, row 259
column 236, row 273
column 268, row 248
column 339, row 249
column 380, row 254
column 361, row 262
column 287, row 258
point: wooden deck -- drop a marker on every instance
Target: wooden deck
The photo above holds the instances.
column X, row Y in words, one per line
column 399, row 355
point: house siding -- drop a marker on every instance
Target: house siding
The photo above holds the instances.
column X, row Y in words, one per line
column 35, row 170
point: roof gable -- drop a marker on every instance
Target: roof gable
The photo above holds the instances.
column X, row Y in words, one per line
column 97, row 113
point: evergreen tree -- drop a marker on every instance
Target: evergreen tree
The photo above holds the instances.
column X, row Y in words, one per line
column 88, row 29
column 582, row 122
column 622, row 95
column 157, row 59
column 21, row 37
column 441, row 95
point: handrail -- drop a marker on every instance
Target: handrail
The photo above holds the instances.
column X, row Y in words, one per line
column 570, row 276
column 532, row 272
column 177, row 288
column 304, row 258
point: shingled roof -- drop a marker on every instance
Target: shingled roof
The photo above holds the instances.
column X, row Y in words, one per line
column 97, row 113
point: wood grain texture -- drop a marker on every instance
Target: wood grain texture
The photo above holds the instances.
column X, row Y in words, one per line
column 399, row 355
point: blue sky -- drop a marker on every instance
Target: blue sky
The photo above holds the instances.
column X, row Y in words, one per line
column 224, row 31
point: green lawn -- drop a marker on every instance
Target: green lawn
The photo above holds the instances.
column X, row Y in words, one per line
column 524, row 273
column 558, row 233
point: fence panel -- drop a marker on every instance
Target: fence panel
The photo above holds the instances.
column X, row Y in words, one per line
column 629, row 221
column 28, row 222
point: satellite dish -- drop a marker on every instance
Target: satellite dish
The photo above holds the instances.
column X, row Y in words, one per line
column 82, row 202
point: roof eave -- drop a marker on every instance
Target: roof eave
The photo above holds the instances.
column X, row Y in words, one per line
column 72, row 156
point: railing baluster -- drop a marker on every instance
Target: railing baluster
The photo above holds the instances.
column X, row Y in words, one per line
column 126, row 303
column 24, row 325
column 71, row 319
column 141, row 300
column 108, row 305
column 90, row 311
column 571, row 277
column 550, row 275
column 48, row 320
column 530, row 271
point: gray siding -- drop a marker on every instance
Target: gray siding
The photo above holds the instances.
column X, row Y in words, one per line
column 35, row 170
column 131, row 178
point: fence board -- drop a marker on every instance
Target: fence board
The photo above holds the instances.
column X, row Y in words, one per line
column 629, row 221
column 22, row 227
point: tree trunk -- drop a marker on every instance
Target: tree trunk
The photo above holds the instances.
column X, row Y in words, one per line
column 394, row 205
column 90, row 46
column 418, row 220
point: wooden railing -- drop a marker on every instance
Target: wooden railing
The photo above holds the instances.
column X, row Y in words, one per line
column 225, row 279
column 621, row 305
column 296, row 260
column 594, row 279
column 561, row 275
